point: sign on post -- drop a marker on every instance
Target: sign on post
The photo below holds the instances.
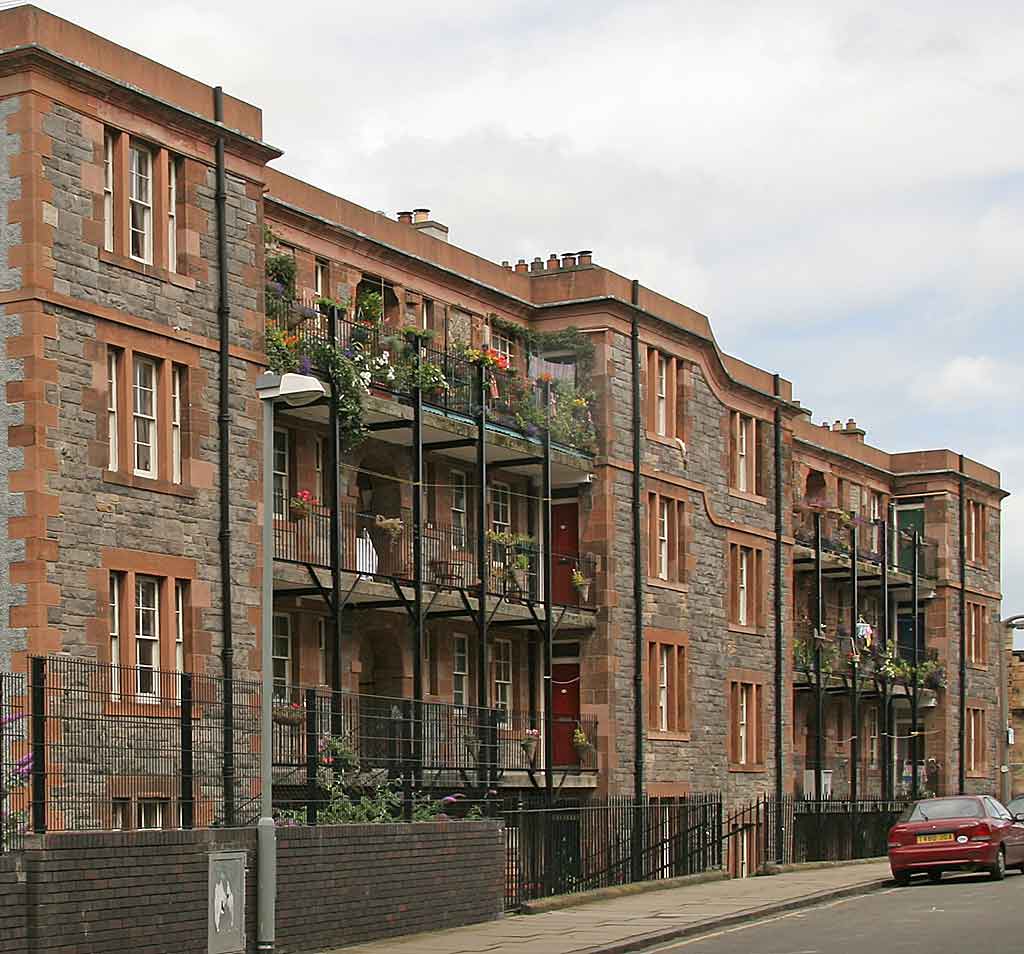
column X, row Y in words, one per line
column 226, row 904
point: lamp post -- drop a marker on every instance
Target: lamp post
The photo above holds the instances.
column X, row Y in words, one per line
column 293, row 390
column 1011, row 623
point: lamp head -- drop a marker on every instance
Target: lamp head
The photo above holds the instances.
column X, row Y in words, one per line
column 294, row 390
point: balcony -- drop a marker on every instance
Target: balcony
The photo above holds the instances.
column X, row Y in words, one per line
column 383, row 549
column 300, row 336
column 835, row 547
column 444, row 744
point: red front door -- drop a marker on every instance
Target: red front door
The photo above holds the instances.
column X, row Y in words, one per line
column 565, row 540
column 565, row 711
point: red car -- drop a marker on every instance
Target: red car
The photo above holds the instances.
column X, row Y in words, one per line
column 960, row 833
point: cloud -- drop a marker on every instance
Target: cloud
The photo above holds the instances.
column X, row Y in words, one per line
column 839, row 186
column 968, row 381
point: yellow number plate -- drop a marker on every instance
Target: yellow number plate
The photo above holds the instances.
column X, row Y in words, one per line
column 932, row 839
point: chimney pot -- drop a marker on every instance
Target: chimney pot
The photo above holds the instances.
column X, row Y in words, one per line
column 568, row 260
column 505, row 264
column 851, row 424
column 586, row 257
column 405, row 218
column 552, row 261
column 420, row 215
column 521, row 265
column 837, row 426
column 537, row 265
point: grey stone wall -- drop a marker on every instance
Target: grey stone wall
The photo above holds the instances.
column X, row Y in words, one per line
column 700, row 610
column 11, row 415
column 96, row 513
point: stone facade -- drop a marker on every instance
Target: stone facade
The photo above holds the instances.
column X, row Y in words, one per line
column 80, row 308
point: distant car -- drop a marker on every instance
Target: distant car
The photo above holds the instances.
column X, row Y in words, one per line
column 961, row 833
column 1016, row 805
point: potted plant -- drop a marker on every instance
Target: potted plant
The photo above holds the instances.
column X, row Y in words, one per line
column 392, row 526
column 519, row 571
column 581, row 584
column 581, row 743
column 529, row 744
column 288, row 714
column 300, row 505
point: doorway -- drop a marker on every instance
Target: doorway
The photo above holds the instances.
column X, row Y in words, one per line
column 565, row 544
column 565, row 711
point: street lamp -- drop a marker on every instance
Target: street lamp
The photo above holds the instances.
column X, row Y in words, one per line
column 294, row 390
column 1011, row 623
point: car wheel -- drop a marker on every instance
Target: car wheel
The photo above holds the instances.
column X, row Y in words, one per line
column 998, row 871
column 902, row 878
column 934, row 876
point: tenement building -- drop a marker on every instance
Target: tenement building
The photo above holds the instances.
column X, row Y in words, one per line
column 539, row 530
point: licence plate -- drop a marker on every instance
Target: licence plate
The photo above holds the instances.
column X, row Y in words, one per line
column 933, row 839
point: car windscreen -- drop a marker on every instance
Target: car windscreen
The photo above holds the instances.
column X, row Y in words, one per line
column 1015, row 807
column 942, row 808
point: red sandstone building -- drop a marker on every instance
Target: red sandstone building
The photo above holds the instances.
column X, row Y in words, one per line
column 129, row 472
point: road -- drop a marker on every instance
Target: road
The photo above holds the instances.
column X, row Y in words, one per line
column 961, row 914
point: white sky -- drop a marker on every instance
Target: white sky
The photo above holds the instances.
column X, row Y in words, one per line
column 839, row 185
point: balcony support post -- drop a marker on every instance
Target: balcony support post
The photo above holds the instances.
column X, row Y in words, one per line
column 337, row 620
column 854, row 676
column 481, row 546
column 819, row 636
column 546, row 529
column 417, row 564
column 883, row 645
column 916, row 656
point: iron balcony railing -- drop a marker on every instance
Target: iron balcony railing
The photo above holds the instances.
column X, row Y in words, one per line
column 384, row 546
column 398, row 735
column 511, row 399
column 835, row 541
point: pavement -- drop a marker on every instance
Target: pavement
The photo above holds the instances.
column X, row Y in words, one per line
column 633, row 922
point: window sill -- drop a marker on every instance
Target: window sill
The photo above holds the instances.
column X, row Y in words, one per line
column 130, row 705
column 977, row 667
column 664, row 440
column 658, row 584
column 656, row 735
column 748, row 630
column 747, row 769
column 147, row 483
column 747, row 495
column 150, row 271
column 977, row 774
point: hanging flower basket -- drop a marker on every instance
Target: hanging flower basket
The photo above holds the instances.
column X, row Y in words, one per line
column 293, row 715
column 301, row 504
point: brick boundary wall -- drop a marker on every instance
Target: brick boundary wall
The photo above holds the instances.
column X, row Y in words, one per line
column 146, row 892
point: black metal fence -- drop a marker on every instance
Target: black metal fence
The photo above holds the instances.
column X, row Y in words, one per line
column 15, row 760
column 832, row 829
column 85, row 745
column 842, row 830
column 569, row 848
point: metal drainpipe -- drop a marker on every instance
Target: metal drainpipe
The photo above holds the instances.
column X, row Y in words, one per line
column 779, row 649
column 224, row 454
column 962, row 733
column 638, row 601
